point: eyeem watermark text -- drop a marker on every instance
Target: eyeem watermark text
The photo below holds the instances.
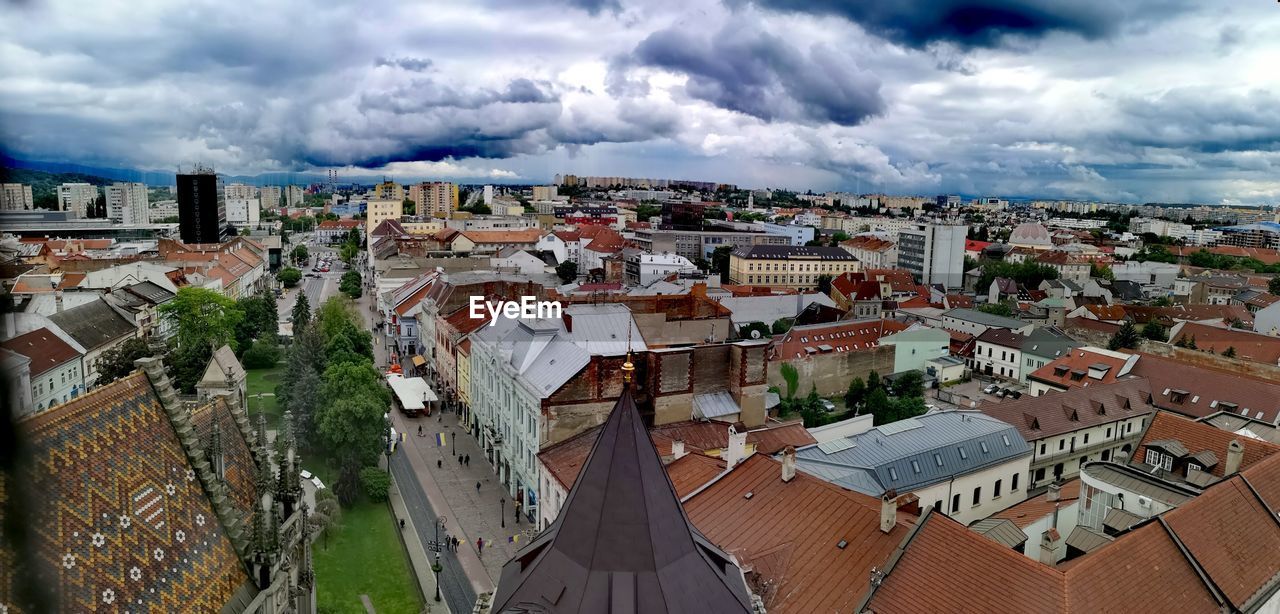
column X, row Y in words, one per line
column 528, row 308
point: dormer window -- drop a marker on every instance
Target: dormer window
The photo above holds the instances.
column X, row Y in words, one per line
column 1178, row 396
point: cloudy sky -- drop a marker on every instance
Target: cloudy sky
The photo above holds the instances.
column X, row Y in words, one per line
column 1142, row 100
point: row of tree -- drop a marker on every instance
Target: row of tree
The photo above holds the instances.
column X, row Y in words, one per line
column 337, row 397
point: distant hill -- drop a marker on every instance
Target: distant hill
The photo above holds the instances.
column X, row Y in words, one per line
column 44, row 185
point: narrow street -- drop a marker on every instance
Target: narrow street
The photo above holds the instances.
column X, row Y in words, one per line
column 434, row 483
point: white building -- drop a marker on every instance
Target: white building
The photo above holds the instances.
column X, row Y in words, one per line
column 488, row 195
column 293, row 196
column 799, row 234
column 998, row 353
column 127, row 203
column 808, row 218
column 56, row 367
column 934, row 253
column 516, row 260
column 163, row 209
column 644, row 269
column 77, row 198
column 269, row 197
column 963, row 464
column 240, row 191
column 16, row 197
column 244, row 211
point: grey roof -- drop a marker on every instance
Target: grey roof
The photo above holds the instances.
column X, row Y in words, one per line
column 1172, row 446
column 1205, row 458
column 769, row 309
column 793, row 251
column 1000, row 530
column 913, row 453
column 1087, row 540
column 1134, row 480
column 621, row 542
column 1048, row 343
column 1120, row 520
column 984, row 318
column 94, row 324
column 151, row 292
column 714, row 405
column 223, row 361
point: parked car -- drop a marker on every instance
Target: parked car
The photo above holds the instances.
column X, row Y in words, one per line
column 990, row 389
column 1000, row 394
column 1015, row 394
column 828, row 405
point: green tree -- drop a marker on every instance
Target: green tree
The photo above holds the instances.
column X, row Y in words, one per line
column 909, row 384
column 408, row 207
column 1191, row 343
column 791, row 377
column 348, row 252
column 351, row 284
column 1163, row 301
column 754, row 330
column 1155, row 332
column 301, row 315
column 999, row 309
column 263, row 354
column 376, row 483
column 1125, row 338
column 824, row 283
column 1101, row 272
column 186, row 364
column 350, row 423
column 260, row 320
column 873, row 382
column 782, row 325
column 1230, row 352
column 856, row 393
column 879, row 405
column 1273, row 286
column 289, row 277
column 567, row 271
column 117, row 362
column 202, row 317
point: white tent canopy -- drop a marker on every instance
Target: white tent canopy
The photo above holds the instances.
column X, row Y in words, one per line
column 413, row 393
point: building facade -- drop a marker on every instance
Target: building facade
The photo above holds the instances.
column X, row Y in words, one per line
column 434, row 198
column 127, row 203
column 788, row 266
column 934, row 253
column 56, row 370
column 245, row 211
column 202, row 213
column 77, row 198
column 16, row 197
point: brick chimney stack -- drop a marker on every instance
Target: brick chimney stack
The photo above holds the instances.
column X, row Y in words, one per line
column 788, row 464
column 1050, row 547
column 1235, row 455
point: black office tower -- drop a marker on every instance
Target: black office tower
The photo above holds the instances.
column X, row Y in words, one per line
column 202, row 214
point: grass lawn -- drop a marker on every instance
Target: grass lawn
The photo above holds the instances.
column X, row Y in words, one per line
column 265, row 381
column 363, row 557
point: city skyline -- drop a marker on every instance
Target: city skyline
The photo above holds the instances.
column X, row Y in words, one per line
column 1158, row 101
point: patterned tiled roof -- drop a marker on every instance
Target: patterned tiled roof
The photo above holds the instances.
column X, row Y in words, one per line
column 123, row 520
column 239, row 467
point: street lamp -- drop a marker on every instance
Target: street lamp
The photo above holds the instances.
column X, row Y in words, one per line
column 502, row 512
column 437, row 545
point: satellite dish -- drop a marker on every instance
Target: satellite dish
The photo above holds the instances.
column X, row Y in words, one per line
column 755, row 333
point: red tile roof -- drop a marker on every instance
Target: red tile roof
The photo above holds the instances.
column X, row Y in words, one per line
column 786, row 534
column 45, row 350
column 839, row 337
column 1197, row 437
column 1030, row 510
column 1143, row 571
column 1063, row 371
column 691, row 471
column 1248, row 346
column 481, row 237
column 1213, row 387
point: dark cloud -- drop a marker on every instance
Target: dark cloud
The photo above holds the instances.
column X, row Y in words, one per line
column 754, row 72
column 409, row 64
column 1202, row 120
column 984, row 23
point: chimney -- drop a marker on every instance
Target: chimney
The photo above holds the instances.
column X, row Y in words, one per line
column 737, row 448
column 1050, row 547
column 1235, row 454
column 1055, row 492
column 677, row 449
column 888, row 510
column 788, row 464
column 57, row 301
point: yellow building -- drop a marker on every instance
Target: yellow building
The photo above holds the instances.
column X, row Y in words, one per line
column 424, row 227
column 787, row 266
column 434, row 198
column 379, row 211
column 389, row 190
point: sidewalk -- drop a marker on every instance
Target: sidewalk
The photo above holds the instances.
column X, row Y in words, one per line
column 419, row 559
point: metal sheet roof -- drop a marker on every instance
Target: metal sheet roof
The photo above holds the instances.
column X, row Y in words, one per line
column 1121, row 520
column 715, row 405
column 945, row 444
column 1085, row 539
column 1000, row 530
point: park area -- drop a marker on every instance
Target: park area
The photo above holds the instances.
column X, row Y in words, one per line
column 261, row 391
column 362, row 555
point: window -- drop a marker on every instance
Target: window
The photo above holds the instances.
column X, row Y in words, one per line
column 1013, row 485
column 915, row 466
column 1086, row 439
column 1042, row 448
column 1005, row 439
column 1039, row 474
column 1108, row 432
column 937, row 505
column 983, row 445
column 1156, row 459
column 963, row 453
column 996, row 492
column 893, row 473
column 937, row 458
column 977, row 495
column 1193, row 467
column 955, row 503
column 1062, row 443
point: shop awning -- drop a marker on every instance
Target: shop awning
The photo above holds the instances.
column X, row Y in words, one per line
column 418, row 360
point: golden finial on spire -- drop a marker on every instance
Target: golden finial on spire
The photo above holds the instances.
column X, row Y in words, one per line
column 628, row 366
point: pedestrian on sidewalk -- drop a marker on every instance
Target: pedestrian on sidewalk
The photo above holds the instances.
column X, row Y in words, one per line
column 439, row 463
column 477, row 486
column 466, row 460
column 419, row 430
column 480, row 546
column 459, row 460
column 456, row 542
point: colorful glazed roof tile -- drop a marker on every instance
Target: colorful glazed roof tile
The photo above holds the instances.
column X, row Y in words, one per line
column 124, row 523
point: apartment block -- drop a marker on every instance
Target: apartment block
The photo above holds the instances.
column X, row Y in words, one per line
column 127, row 203
column 434, row 198
column 788, row 266
column 934, row 253
column 77, row 198
column 16, row 197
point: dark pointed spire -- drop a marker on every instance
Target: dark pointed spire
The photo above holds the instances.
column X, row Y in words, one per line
column 622, row 543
